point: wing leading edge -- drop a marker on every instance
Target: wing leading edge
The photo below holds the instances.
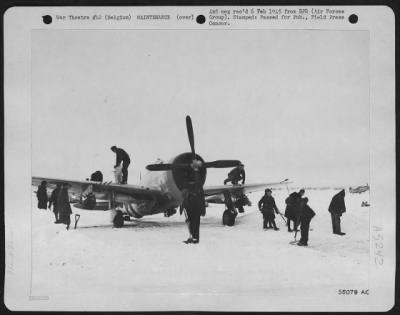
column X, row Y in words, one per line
column 239, row 189
column 138, row 192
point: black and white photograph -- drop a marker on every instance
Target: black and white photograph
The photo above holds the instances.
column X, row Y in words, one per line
column 201, row 159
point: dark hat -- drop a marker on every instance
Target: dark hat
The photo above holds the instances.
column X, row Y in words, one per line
column 113, row 147
column 302, row 190
column 268, row 190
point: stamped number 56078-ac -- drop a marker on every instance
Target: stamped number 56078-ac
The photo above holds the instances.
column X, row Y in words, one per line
column 353, row 292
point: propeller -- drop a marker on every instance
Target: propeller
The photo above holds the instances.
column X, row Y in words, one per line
column 196, row 164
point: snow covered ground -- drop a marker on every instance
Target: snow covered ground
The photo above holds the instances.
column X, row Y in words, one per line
column 145, row 265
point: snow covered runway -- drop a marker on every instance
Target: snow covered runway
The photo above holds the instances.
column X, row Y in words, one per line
column 145, row 265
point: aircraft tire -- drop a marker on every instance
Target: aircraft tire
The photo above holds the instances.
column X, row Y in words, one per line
column 228, row 218
column 118, row 220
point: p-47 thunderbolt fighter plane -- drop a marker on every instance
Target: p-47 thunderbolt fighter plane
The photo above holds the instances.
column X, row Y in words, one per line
column 359, row 189
column 160, row 190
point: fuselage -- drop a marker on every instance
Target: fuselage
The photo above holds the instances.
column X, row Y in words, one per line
column 170, row 183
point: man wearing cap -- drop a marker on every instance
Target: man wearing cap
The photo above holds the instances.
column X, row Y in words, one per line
column 123, row 157
column 236, row 175
column 64, row 206
column 41, row 195
column 54, row 201
column 193, row 203
column 337, row 207
column 306, row 214
column 292, row 212
column 267, row 207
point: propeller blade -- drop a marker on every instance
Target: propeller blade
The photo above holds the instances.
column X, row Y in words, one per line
column 166, row 167
column 222, row 163
column 159, row 167
column 189, row 128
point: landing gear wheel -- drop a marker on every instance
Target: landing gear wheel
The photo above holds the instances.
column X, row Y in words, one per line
column 118, row 220
column 228, row 218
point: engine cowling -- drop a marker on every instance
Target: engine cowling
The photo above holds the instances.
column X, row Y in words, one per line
column 182, row 176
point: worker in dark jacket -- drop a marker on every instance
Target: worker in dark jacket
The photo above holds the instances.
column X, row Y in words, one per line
column 267, row 207
column 54, row 201
column 306, row 214
column 194, row 205
column 64, row 207
column 337, row 207
column 123, row 157
column 41, row 195
column 292, row 212
column 236, row 175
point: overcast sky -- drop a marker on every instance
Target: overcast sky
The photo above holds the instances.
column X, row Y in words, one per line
column 288, row 104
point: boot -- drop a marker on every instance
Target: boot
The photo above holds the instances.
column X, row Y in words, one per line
column 191, row 241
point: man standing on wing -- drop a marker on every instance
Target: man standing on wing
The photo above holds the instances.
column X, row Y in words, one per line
column 123, row 157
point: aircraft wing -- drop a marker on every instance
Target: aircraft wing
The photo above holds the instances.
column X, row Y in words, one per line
column 239, row 189
column 137, row 192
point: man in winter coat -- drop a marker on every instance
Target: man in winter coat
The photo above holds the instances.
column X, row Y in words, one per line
column 267, row 207
column 41, row 195
column 292, row 212
column 337, row 207
column 236, row 175
column 64, row 207
column 194, row 205
column 306, row 214
column 122, row 156
column 54, row 201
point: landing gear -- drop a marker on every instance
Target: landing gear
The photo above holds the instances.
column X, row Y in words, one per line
column 228, row 218
column 118, row 220
column 89, row 201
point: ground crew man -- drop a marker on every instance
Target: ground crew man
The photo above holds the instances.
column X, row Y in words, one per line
column 41, row 195
column 306, row 214
column 337, row 207
column 54, row 201
column 64, row 207
column 236, row 175
column 123, row 157
column 292, row 211
column 267, row 207
column 194, row 205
